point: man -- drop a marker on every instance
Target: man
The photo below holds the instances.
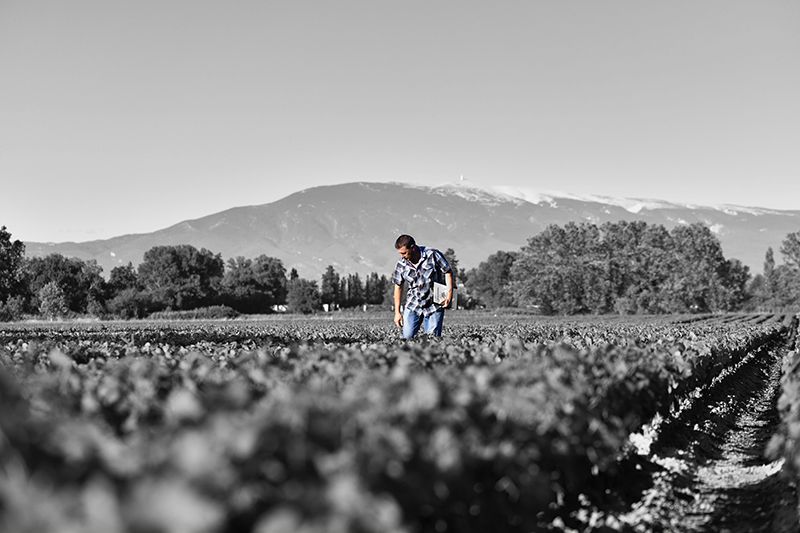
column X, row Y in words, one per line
column 420, row 267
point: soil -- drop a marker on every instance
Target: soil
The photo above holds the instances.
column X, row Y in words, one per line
column 704, row 468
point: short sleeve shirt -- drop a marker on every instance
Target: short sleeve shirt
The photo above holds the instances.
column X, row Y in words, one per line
column 420, row 277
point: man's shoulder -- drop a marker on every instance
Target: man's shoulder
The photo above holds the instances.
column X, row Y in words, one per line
column 435, row 252
column 428, row 251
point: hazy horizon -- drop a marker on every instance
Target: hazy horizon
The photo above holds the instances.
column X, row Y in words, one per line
column 120, row 118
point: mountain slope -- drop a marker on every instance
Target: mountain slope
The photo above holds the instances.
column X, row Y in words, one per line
column 353, row 226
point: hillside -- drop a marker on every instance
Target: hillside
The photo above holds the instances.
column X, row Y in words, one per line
column 353, row 226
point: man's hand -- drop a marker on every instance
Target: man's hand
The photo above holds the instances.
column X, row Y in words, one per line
column 398, row 319
column 447, row 301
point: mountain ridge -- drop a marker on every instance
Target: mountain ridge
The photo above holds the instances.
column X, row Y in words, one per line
column 352, row 226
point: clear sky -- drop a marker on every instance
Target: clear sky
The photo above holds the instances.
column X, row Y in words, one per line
column 128, row 116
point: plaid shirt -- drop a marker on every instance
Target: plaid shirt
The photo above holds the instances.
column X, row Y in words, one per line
column 431, row 267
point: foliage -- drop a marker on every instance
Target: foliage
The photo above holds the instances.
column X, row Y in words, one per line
column 122, row 278
column 254, row 285
column 200, row 313
column 130, row 303
column 786, row 443
column 52, row 301
column 627, row 268
column 790, row 249
column 489, row 281
column 459, row 274
column 779, row 287
column 330, row 287
column 79, row 280
column 351, row 291
column 11, row 261
column 303, row 296
column 375, row 289
column 703, row 280
column 320, row 425
column 12, row 309
column 181, row 277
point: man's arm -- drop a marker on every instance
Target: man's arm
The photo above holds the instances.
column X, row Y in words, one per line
column 398, row 295
column 448, row 278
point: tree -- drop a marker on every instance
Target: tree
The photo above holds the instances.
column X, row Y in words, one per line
column 254, row 286
column 627, row 267
column 52, row 301
column 790, row 248
column 130, row 303
column 330, row 287
column 787, row 289
column 562, row 270
column 12, row 309
column 11, row 261
column 375, row 288
column 80, row 281
column 641, row 263
column 780, row 287
column 353, row 295
column 303, row 296
column 122, row 278
column 181, row 277
column 459, row 275
column 769, row 262
column 489, row 282
column 700, row 280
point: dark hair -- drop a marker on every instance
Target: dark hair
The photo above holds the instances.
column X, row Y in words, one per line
column 404, row 240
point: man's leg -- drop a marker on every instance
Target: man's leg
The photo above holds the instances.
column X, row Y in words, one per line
column 411, row 323
column 433, row 323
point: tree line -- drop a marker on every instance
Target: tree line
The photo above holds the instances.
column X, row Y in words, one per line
column 169, row 278
column 621, row 267
column 632, row 268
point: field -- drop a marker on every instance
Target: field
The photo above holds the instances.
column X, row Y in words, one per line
column 509, row 423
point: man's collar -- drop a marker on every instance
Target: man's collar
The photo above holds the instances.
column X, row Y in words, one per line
column 422, row 253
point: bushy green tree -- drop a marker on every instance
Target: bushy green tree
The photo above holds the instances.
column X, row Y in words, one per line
column 490, row 281
column 790, row 248
column 459, row 274
column 627, row 268
column 81, row 281
column 329, row 289
column 561, row 271
column 778, row 289
column 52, row 301
column 130, row 303
column 254, row 285
column 11, row 262
column 181, row 277
column 702, row 279
column 352, row 290
column 12, row 309
column 122, row 278
column 303, row 296
column 375, row 288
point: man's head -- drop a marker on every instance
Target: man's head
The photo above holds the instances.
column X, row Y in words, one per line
column 406, row 247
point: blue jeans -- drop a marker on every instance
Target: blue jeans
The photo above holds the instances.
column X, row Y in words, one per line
column 432, row 325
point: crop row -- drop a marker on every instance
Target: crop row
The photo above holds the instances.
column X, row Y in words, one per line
column 786, row 443
column 335, row 426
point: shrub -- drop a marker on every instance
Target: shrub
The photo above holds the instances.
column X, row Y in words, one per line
column 12, row 309
column 52, row 301
column 303, row 296
column 211, row 312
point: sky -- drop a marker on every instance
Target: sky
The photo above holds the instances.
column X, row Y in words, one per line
column 127, row 117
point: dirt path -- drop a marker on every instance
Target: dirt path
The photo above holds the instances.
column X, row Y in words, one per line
column 704, row 469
